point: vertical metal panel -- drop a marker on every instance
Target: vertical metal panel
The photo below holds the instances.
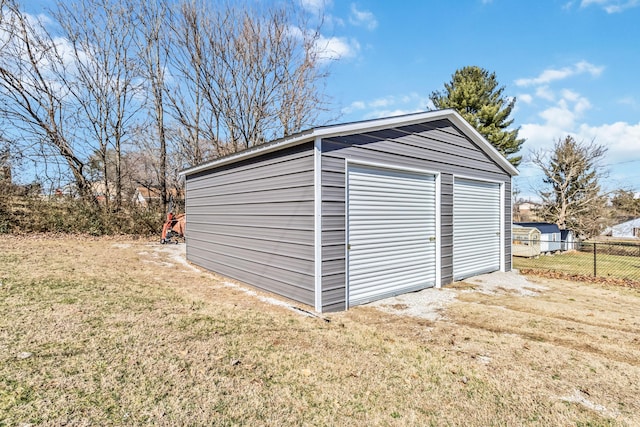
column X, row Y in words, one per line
column 446, row 227
column 391, row 232
column 477, row 229
column 333, row 232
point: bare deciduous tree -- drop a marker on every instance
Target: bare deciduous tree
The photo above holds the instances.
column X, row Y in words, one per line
column 103, row 85
column 196, row 117
column 152, row 20
column 35, row 102
column 179, row 81
column 253, row 75
column 267, row 71
column 573, row 198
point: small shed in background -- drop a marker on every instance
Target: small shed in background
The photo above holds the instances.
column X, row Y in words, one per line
column 550, row 236
column 568, row 240
column 526, row 241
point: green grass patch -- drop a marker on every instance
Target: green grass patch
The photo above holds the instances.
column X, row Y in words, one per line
column 582, row 263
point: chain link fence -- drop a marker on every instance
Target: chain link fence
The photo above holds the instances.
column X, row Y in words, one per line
column 615, row 260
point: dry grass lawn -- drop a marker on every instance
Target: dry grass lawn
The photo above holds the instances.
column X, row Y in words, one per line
column 117, row 332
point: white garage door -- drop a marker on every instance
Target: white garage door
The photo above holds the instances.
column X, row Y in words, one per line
column 391, row 233
column 476, row 228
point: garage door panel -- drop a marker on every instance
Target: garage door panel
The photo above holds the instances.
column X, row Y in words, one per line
column 389, row 263
column 391, row 225
column 409, row 249
column 383, row 276
column 379, row 288
column 476, row 228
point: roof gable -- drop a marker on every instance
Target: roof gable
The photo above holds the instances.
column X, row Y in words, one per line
column 362, row 127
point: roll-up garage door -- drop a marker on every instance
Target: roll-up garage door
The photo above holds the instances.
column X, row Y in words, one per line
column 391, row 233
column 476, row 228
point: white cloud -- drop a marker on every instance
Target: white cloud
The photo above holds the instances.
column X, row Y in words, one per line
column 545, row 93
column 563, row 115
column 50, row 61
column 382, row 102
column 525, row 97
column 330, row 48
column 622, row 139
column 315, row 6
column 629, row 101
column 565, row 118
column 392, row 105
column 570, row 95
column 622, row 158
column 559, row 116
column 362, row 18
column 550, row 75
column 354, row 106
column 611, row 6
column 333, row 48
column 392, row 113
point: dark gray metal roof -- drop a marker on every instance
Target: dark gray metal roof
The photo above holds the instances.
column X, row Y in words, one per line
column 544, row 227
column 359, row 127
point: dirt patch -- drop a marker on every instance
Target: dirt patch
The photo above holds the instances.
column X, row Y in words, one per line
column 501, row 282
column 426, row 304
column 431, row 303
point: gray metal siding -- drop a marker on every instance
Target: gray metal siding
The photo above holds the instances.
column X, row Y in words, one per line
column 253, row 221
column 333, row 234
column 436, row 146
column 446, row 227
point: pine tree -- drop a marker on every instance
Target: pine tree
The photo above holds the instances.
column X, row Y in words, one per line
column 572, row 198
column 476, row 95
column 626, row 204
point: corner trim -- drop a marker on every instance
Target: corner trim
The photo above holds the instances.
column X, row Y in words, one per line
column 317, row 222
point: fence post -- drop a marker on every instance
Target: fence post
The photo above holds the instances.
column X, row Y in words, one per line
column 594, row 259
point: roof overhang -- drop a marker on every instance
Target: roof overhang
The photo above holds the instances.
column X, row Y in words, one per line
column 360, row 127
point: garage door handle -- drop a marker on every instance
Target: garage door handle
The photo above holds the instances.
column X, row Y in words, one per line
column 432, row 238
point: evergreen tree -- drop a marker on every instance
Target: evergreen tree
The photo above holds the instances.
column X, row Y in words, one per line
column 572, row 198
column 626, row 204
column 476, row 95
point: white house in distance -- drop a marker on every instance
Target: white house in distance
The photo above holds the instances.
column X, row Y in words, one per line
column 525, row 211
column 629, row 230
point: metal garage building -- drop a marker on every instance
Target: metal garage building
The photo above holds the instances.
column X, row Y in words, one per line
column 341, row 215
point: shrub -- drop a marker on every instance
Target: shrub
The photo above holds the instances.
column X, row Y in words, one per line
column 37, row 214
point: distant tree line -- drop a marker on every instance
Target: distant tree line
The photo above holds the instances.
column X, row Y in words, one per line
column 127, row 93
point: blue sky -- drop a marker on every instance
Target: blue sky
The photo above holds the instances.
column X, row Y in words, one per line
column 572, row 66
